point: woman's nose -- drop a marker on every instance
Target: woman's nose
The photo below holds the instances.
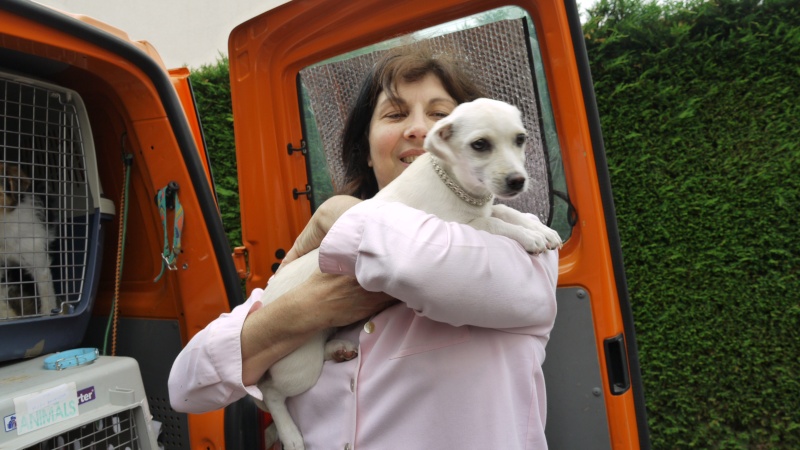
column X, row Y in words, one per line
column 417, row 128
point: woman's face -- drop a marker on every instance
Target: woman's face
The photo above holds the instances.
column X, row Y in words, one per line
column 397, row 132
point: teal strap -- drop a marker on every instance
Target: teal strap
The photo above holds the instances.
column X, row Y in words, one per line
column 71, row 358
column 169, row 255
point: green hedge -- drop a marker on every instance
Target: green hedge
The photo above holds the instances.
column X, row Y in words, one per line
column 699, row 109
column 212, row 90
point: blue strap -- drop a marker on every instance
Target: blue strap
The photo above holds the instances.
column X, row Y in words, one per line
column 71, row 358
column 169, row 255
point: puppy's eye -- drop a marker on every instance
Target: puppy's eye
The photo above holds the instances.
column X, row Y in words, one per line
column 520, row 141
column 481, row 145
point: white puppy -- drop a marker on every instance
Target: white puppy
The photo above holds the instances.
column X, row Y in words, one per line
column 474, row 154
column 24, row 242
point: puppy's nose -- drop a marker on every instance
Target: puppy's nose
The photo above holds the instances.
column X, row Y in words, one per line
column 515, row 182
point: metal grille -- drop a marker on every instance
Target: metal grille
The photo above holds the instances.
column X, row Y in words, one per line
column 174, row 426
column 44, row 219
column 118, row 432
column 497, row 57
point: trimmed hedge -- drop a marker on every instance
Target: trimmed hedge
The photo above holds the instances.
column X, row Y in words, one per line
column 212, row 90
column 699, row 109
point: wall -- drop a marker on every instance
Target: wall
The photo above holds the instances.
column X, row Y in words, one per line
column 185, row 32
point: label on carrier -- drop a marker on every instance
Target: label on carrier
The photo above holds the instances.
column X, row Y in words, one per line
column 45, row 408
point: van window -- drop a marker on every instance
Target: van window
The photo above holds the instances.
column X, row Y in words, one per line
column 515, row 75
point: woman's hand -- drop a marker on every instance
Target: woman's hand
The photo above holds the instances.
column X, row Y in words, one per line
column 340, row 301
column 322, row 301
column 316, row 229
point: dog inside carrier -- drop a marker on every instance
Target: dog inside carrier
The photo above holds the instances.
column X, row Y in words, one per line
column 51, row 217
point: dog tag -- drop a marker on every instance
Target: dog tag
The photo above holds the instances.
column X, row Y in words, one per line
column 369, row 327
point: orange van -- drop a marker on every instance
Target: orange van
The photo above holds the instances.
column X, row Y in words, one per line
column 292, row 71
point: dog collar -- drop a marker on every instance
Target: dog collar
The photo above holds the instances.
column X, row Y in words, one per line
column 71, row 358
column 458, row 190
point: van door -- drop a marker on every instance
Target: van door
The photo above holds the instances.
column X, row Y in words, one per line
column 144, row 136
column 293, row 72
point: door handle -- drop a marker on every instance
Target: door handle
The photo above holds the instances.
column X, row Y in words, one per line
column 619, row 380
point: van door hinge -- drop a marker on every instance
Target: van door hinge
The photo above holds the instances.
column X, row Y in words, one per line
column 307, row 192
column 303, row 149
column 240, row 262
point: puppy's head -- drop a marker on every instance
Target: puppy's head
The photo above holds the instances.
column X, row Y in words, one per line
column 15, row 182
column 483, row 145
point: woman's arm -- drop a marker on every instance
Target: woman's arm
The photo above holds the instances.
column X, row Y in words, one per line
column 207, row 374
column 223, row 362
column 323, row 301
column 446, row 271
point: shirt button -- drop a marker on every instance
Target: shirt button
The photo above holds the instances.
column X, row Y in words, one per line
column 352, row 385
column 348, row 447
column 369, row 327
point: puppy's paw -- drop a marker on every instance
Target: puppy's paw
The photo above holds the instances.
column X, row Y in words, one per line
column 512, row 216
column 340, row 350
column 534, row 242
column 293, row 443
column 550, row 236
column 553, row 239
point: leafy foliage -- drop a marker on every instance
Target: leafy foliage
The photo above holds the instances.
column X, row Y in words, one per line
column 212, row 91
column 699, row 110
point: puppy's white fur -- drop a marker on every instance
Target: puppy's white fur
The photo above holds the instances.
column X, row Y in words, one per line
column 24, row 241
column 497, row 167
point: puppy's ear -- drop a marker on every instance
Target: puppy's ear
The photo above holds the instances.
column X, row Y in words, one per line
column 19, row 180
column 446, row 131
column 10, row 185
column 24, row 183
column 439, row 140
column 10, row 179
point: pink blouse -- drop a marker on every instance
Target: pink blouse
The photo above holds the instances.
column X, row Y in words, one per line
column 456, row 365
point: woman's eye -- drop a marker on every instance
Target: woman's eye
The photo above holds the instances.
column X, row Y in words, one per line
column 395, row 115
column 439, row 115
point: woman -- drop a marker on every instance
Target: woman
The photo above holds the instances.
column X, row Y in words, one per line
column 456, row 363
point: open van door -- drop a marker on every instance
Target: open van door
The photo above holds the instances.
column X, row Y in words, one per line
column 294, row 71
column 81, row 100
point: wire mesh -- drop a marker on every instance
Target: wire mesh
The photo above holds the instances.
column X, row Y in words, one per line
column 497, row 56
column 115, row 432
column 44, row 219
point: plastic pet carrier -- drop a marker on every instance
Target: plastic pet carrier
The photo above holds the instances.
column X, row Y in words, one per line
column 75, row 400
column 52, row 216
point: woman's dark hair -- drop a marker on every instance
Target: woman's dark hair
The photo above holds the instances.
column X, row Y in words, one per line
column 403, row 64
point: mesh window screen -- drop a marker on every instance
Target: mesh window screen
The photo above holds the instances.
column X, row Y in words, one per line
column 44, row 220
column 497, row 56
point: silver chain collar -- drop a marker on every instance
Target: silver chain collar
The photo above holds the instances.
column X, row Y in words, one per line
column 461, row 193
